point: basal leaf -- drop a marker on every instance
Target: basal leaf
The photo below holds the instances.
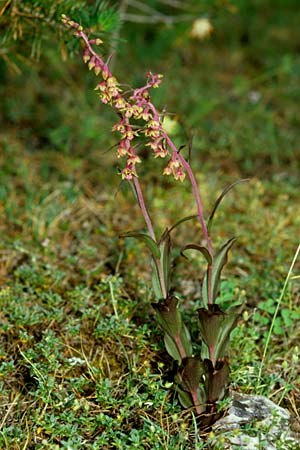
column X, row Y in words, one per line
column 184, row 398
column 168, row 316
column 186, row 341
column 215, row 327
column 156, row 285
column 172, row 348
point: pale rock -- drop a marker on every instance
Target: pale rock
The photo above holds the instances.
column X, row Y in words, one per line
column 254, row 422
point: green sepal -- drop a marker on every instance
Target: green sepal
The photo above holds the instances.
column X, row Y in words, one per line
column 215, row 327
column 220, row 260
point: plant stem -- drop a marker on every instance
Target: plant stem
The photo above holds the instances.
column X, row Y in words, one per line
column 276, row 313
column 151, row 232
column 191, row 176
column 143, row 207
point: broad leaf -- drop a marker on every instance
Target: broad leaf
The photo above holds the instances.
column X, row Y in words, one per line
column 184, row 398
column 216, row 380
column 220, row 198
column 190, row 380
column 200, row 249
column 186, row 341
column 219, row 262
column 172, row 348
column 177, row 338
column 168, row 316
column 215, row 327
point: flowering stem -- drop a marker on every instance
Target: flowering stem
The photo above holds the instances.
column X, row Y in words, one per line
column 143, row 207
column 200, row 213
column 151, row 232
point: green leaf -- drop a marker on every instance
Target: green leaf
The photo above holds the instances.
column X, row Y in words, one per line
column 177, row 339
column 172, row 348
column 184, row 398
column 186, row 341
column 216, row 380
column 215, row 327
column 156, row 286
column 200, row 249
column 220, row 198
column 151, row 244
column 190, row 381
column 219, row 262
column 194, row 216
column 168, row 316
column 165, row 258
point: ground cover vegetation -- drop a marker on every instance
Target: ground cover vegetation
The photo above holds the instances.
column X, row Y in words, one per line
column 82, row 360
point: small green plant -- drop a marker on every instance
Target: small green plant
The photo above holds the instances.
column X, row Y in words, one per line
column 201, row 380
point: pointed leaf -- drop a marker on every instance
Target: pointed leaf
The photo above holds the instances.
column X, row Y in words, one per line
column 200, row 249
column 165, row 258
column 217, row 380
column 232, row 317
column 194, row 216
column 151, row 244
column 172, row 348
column 220, row 198
column 186, row 341
column 184, row 398
column 215, row 327
column 168, row 316
column 156, row 286
column 220, row 260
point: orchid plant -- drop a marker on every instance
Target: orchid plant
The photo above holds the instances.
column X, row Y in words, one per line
column 201, row 380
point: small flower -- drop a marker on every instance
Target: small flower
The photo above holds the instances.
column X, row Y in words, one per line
column 179, row 174
column 133, row 159
column 120, row 103
column 123, row 148
column 86, row 55
column 128, row 172
column 201, row 29
column 119, row 126
column 174, row 168
column 92, row 63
